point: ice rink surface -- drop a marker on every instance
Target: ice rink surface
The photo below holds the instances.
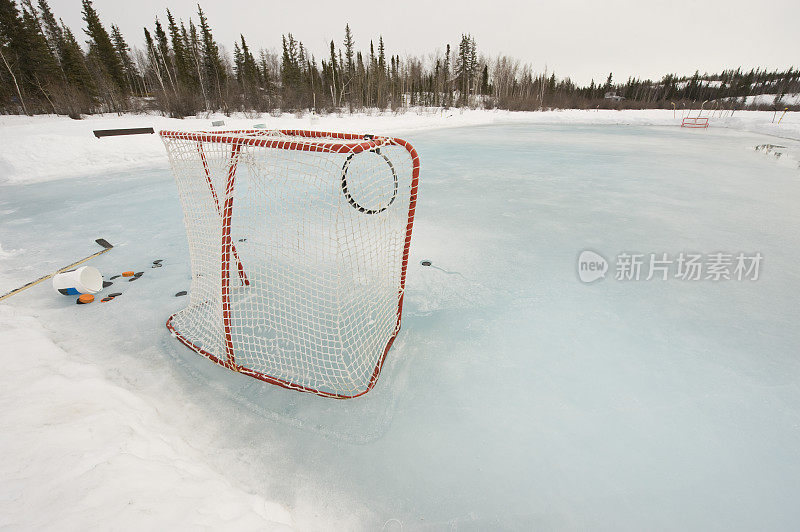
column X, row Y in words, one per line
column 515, row 396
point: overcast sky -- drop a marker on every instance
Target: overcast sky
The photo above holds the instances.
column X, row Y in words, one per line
column 582, row 39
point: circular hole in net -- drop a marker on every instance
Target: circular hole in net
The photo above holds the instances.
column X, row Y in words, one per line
column 369, row 182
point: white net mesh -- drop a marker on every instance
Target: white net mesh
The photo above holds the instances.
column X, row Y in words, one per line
column 298, row 246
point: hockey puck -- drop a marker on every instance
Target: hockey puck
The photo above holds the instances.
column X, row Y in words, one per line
column 84, row 299
column 426, row 263
column 181, row 293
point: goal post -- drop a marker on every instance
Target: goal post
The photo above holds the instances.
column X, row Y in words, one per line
column 299, row 245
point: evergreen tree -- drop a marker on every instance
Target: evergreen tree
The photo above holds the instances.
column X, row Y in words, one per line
column 26, row 59
column 124, row 52
column 74, row 65
column 183, row 71
column 448, row 94
column 11, row 47
column 152, row 55
column 213, row 70
column 195, row 57
column 335, row 77
column 237, row 61
column 360, row 76
column 81, row 93
column 250, row 74
column 39, row 63
column 163, row 56
column 349, row 45
column 10, row 26
column 381, row 54
column 472, row 71
column 692, row 89
column 290, row 65
column 101, row 47
column 43, row 69
column 52, row 30
column 464, row 68
column 263, row 67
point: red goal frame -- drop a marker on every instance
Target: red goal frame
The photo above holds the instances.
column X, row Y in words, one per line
column 695, row 122
column 239, row 138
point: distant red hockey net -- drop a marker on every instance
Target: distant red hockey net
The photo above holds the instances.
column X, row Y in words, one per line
column 299, row 245
column 696, row 122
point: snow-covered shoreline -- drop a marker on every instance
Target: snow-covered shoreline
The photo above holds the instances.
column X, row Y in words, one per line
column 50, row 147
column 68, row 416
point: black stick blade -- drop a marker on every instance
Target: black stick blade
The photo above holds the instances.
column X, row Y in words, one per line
column 103, row 242
column 116, row 132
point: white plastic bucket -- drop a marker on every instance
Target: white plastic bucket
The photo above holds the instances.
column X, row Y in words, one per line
column 83, row 280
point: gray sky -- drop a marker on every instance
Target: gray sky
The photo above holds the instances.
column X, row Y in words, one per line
column 582, row 39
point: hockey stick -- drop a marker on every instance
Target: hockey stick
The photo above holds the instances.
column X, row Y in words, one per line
column 101, row 241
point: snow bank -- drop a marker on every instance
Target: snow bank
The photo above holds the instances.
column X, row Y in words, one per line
column 715, row 83
column 45, row 148
column 105, row 451
column 769, row 99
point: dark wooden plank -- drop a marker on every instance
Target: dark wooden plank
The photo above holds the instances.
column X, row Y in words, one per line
column 130, row 131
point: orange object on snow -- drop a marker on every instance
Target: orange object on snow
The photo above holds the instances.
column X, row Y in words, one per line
column 85, row 298
column 127, row 274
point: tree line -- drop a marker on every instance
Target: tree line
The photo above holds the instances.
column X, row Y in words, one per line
column 183, row 70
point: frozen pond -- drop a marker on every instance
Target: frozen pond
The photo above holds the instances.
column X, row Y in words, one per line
column 515, row 396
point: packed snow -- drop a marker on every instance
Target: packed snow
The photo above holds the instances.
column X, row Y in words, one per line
column 771, row 99
column 715, row 83
column 515, row 396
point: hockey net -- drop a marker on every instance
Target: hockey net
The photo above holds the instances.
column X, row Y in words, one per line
column 299, row 244
column 695, row 122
